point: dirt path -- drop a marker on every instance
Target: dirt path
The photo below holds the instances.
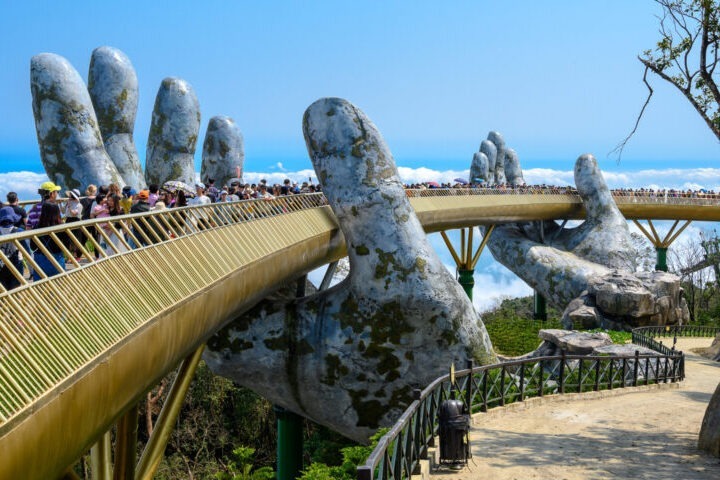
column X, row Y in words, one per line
column 641, row 435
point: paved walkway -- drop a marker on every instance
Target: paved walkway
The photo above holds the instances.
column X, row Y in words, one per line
column 640, row 435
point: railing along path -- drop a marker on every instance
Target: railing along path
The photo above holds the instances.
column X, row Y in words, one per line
column 398, row 453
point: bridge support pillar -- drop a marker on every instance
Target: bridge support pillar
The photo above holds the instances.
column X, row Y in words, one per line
column 539, row 306
column 155, row 448
column 661, row 263
column 100, row 458
column 467, row 281
column 662, row 245
column 289, row 444
column 466, row 259
column 126, row 445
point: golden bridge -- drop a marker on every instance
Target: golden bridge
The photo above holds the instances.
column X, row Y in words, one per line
column 78, row 350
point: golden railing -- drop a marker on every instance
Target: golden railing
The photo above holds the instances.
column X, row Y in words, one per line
column 161, row 284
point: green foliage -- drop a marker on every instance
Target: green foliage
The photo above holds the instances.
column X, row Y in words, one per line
column 241, row 467
column 617, row 336
column 352, row 456
column 511, row 328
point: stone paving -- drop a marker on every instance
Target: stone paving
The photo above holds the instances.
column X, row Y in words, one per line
column 620, row 435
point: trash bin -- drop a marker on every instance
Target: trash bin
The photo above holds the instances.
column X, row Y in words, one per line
column 454, row 428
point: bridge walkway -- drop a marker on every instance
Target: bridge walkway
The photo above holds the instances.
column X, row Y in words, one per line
column 79, row 348
column 633, row 433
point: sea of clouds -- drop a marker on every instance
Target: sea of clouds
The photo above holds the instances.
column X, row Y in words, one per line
column 493, row 282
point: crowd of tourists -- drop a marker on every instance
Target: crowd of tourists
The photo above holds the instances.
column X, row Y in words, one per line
column 109, row 201
column 545, row 188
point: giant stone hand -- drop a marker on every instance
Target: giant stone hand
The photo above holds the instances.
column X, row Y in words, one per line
column 587, row 270
column 86, row 133
column 349, row 357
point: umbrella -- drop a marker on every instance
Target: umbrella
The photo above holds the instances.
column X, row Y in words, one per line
column 461, row 181
column 432, row 184
column 175, row 185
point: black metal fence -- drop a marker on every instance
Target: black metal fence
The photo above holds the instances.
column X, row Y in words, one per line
column 398, row 453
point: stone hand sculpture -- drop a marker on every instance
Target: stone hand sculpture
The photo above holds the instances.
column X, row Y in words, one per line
column 495, row 164
column 349, row 357
column 113, row 87
column 86, row 133
column 587, row 270
column 223, row 152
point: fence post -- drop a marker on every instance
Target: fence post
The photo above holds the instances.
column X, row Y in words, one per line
column 562, row 373
column 597, row 374
column 542, row 377
column 468, row 389
column 610, row 374
column 484, row 390
column 364, row 473
column 502, row 386
column 522, row 382
column 636, row 367
column 624, row 372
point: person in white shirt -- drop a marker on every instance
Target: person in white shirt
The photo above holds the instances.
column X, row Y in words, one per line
column 201, row 199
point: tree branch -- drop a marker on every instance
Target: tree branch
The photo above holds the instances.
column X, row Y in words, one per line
column 686, row 93
column 621, row 146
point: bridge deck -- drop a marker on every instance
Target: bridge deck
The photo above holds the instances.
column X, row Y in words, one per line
column 79, row 348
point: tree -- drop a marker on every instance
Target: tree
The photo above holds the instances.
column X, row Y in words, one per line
column 686, row 57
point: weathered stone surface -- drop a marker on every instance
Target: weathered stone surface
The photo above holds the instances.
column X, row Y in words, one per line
column 621, row 300
column 574, row 342
column 113, row 88
column 513, row 172
column 709, row 439
column 623, row 350
column 713, row 351
column 489, row 149
column 173, row 134
column 499, row 143
column 591, row 263
column 479, row 169
column 223, row 151
column 349, row 357
column 71, row 147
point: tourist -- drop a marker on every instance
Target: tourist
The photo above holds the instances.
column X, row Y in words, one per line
column 153, row 195
column 212, row 191
column 142, row 206
column 49, row 217
column 201, row 199
column 12, row 199
column 73, row 213
column 126, row 202
column 8, row 224
column 87, row 202
column 48, row 193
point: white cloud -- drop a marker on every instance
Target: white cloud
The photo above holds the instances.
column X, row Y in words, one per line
column 25, row 184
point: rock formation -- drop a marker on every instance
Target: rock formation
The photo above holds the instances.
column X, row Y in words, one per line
column 113, row 88
column 349, row 357
column 588, row 268
column 709, row 439
column 223, row 151
column 173, row 134
column 71, row 147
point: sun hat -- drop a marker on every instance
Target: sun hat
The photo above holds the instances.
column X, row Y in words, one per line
column 8, row 215
column 143, row 195
column 74, row 193
column 50, row 187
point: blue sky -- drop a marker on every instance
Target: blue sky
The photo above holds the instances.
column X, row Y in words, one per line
column 557, row 78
